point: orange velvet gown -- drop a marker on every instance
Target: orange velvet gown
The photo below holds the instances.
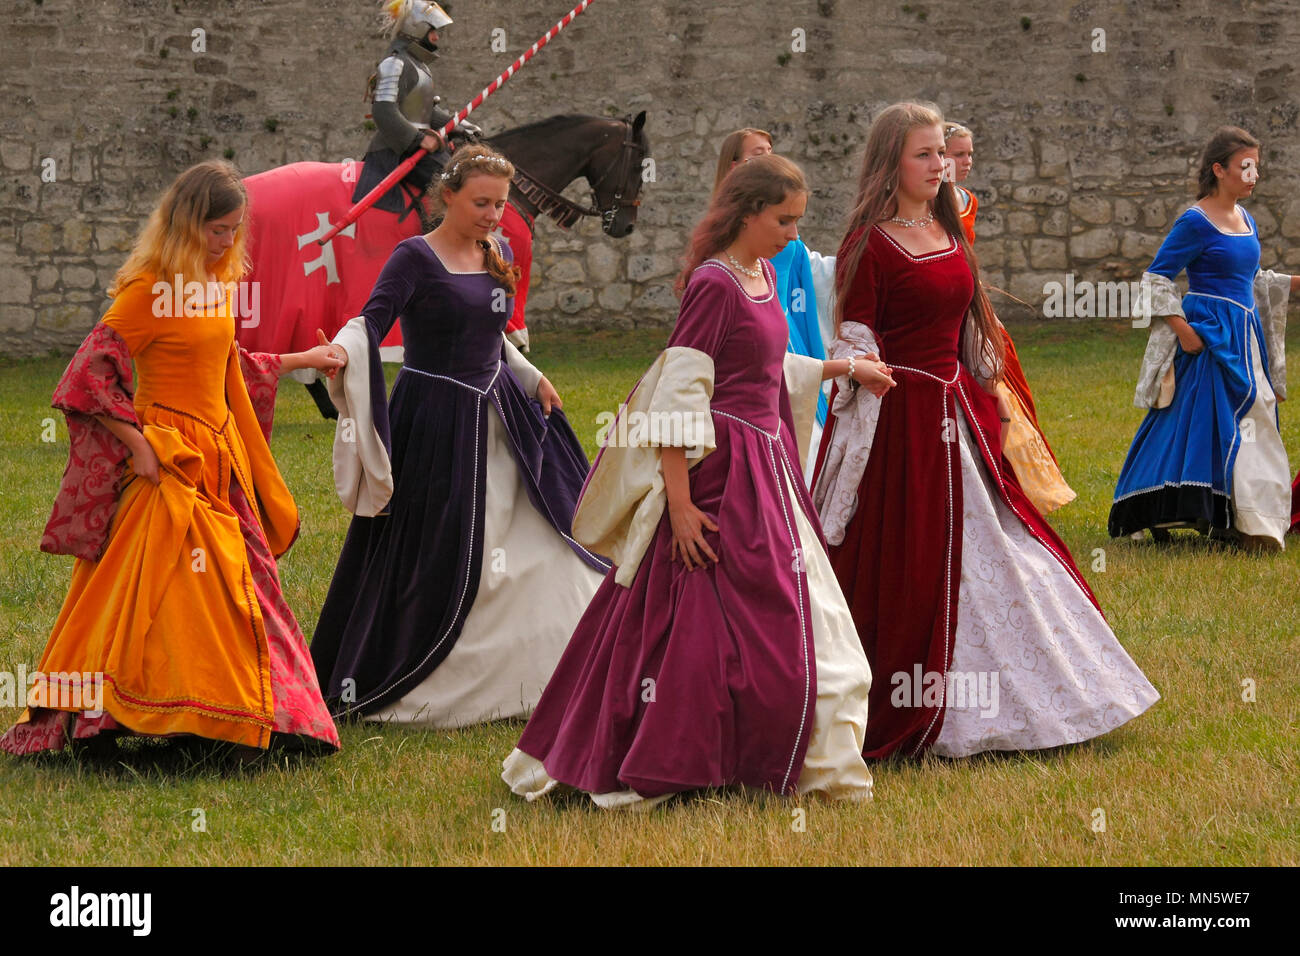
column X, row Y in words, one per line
column 1026, row 448
column 182, row 615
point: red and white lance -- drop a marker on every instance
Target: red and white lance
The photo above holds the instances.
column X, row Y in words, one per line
column 409, row 163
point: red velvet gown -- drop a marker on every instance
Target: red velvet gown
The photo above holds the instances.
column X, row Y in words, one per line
column 949, row 570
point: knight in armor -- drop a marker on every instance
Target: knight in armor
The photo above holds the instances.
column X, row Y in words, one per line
column 405, row 108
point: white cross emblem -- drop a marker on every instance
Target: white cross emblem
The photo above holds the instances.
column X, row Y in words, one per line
column 326, row 258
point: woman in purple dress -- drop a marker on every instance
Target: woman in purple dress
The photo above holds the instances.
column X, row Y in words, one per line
column 458, row 585
column 720, row 650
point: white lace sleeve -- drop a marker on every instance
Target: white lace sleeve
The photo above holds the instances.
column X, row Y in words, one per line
column 1162, row 344
column 857, row 412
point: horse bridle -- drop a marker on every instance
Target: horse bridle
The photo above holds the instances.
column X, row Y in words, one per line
column 564, row 211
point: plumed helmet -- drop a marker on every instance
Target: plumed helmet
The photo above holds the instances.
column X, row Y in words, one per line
column 415, row 18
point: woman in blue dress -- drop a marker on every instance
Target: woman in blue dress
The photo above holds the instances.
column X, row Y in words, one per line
column 1209, row 455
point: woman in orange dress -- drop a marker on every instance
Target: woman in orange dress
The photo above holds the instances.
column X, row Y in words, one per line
column 174, row 622
column 1025, row 446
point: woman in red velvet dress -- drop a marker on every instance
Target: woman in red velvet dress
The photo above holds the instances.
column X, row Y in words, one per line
column 980, row 631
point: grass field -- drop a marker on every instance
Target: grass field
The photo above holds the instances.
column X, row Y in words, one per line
column 1203, row 778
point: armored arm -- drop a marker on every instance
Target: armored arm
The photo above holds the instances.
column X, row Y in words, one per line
column 398, row 132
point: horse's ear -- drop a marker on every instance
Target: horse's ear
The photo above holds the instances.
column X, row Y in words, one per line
column 639, row 122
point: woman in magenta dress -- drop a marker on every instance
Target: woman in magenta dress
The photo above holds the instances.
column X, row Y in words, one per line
column 719, row 651
column 980, row 630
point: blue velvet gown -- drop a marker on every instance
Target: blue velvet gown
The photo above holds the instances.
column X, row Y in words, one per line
column 1182, row 468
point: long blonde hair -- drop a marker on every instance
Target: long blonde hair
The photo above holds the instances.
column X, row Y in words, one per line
column 876, row 200
column 729, row 152
column 172, row 241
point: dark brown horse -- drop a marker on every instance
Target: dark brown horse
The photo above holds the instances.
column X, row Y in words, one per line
column 610, row 154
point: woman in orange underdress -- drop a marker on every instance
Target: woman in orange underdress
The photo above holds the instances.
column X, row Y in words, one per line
column 1026, row 446
column 174, row 623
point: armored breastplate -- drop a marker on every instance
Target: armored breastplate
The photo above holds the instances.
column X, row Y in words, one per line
column 418, row 103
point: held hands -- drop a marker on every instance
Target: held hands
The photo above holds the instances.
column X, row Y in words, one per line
column 874, row 375
column 548, row 396
column 326, row 357
column 688, row 523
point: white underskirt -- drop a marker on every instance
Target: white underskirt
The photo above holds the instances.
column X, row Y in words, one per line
column 532, row 591
column 833, row 764
column 810, row 465
column 1261, row 475
column 1062, row 676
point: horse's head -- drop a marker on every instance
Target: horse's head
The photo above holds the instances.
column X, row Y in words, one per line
column 616, row 171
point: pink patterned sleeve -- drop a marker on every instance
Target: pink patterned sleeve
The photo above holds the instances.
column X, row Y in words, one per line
column 96, row 382
column 262, row 376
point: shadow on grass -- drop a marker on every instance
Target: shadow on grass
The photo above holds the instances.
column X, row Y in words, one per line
column 1189, row 541
column 171, row 758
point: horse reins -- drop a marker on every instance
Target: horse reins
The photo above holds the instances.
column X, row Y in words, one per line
column 564, row 211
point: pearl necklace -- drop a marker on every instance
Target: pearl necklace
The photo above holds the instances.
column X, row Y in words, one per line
column 752, row 273
column 914, row 223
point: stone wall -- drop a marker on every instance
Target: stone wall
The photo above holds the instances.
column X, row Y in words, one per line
column 1083, row 154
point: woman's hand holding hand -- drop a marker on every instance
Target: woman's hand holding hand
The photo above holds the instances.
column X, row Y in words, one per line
column 325, row 357
column 874, row 375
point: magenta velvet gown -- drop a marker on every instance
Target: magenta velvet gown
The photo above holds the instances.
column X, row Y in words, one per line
column 721, row 675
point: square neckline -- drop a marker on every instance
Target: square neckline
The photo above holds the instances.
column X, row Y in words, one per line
column 1244, row 215
column 424, row 241
column 952, row 245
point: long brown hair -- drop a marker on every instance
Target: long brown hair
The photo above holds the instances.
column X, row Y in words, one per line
column 480, row 160
column 729, row 152
column 749, row 188
column 173, row 242
column 1225, row 141
column 876, row 200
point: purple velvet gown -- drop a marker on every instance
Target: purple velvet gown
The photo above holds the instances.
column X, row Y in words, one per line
column 706, row 678
column 406, row 579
